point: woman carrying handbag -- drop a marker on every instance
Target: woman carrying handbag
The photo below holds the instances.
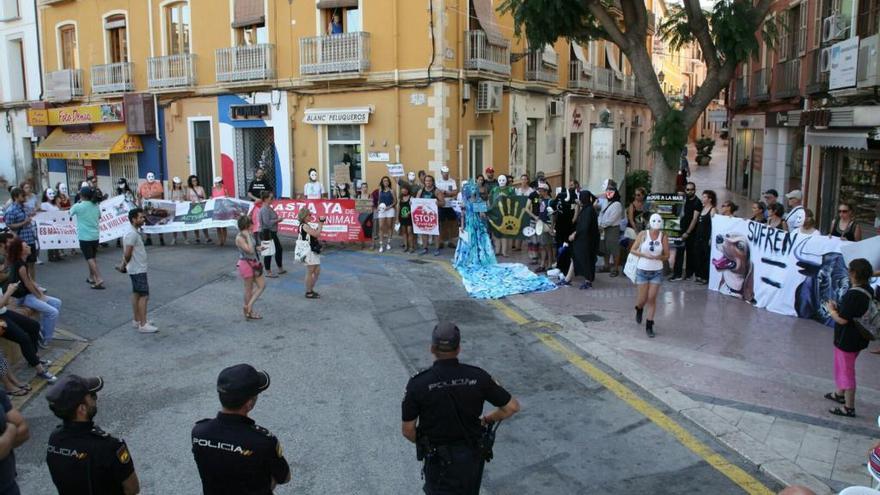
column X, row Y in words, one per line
column 249, row 266
column 310, row 256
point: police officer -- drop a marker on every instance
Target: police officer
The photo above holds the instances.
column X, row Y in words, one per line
column 234, row 455
column 82, row 458
column 447, row 400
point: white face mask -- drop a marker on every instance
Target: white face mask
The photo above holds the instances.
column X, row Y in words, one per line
column 313, row 176
column 502, row 180
column 656, row 222
column 50, row 194
column 411, row 176
column 151, row 177
column 63, row 188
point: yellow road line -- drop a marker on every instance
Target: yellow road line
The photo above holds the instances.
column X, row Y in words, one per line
column 736, row 474
column 37, row 384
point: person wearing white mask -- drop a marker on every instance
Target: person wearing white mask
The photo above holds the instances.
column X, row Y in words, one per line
column 151, row 189
column 63, row 201
column 313, row 189
column 652, row 248
column 50, row 203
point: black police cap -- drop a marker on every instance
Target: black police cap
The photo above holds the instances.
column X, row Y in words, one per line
column 70, row 390
column 242, row 380
column 446, row 336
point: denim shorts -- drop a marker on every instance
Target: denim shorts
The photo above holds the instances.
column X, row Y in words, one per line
column 139, row 284
column 649, row 277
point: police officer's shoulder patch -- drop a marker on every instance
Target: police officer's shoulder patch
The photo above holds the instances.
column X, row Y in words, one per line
column 122, row 454
column 264, row 431
column 98, row 432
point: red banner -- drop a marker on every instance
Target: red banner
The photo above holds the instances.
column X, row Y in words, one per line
column 344, row 222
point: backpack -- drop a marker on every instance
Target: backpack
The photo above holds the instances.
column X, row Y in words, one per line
column 870, row 321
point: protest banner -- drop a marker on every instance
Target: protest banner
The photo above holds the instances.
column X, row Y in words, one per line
column 785, row 272
column 670, row 207
column 425, row 217
column 178, row 216
column 395, row 169
column 57, row 230
column 343, row 222
column 508, row 217
column 341, row 174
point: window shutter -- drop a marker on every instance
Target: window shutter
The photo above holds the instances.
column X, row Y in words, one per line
column 248, row 13
column 488, row 21
column 337, row 4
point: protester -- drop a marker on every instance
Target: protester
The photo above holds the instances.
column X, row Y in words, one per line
column 134, row 262
column 130, row 199
column 636, row 212
column 313, row 189
column 682, row 270
column 759, row 212
column 195, row 193
column 386, row 213
column 771, row 197
column 152, row 189
column 448, row 220
column 50, row 204
column 313, row 258
column 178, row 195
column 98, row 193
column 249, row 267
column 404, row 218
column 25, row 332
column 684, row 171
column 14, row 431
column 88, row 216
column 31, row 200
column 584, row 242
column 703, row 236
column 218, row 191
column 20, row 220
column 728, row 209
column 775, row 219
column 523, row 190
column 258, row 185
column 844, row 226
column 808, row 227
column 28, row 293
column 564, row 209
column 849, row 338
column 609, row 222
column 499, row 192
column 652, row 249
column 543, row 227
column 429, row 192
column 795, row 216
column 364, row 191
column 343, row 191
column 269, row 232
column 63, row 197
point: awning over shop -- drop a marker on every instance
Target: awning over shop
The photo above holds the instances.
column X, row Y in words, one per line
column 830, row 138
column 99, row 144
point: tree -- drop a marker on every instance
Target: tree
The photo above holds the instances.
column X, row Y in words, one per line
column 726, row 36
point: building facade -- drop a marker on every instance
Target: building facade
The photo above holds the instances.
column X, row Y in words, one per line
column 291, row 86
column 20, row 84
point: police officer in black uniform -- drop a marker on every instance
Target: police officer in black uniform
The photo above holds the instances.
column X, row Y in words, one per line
column 447, row 400
column 234, row 455
column 82, row 458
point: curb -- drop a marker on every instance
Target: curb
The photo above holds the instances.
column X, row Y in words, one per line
column 765, row 459
column 37, row 384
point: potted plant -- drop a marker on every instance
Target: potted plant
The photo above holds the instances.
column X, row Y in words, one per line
column 704, row 150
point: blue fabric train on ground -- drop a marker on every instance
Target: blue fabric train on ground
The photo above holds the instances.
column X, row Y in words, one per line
column 483, row 276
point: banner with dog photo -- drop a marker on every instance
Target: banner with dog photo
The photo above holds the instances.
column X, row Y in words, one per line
column 177, row 216
column 785, row 272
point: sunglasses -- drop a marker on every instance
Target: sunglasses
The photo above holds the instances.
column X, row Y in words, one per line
column 651, row 245
column 690, row 190
column 842, row 211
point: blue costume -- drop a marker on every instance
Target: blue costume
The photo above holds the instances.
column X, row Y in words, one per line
column 475, row 259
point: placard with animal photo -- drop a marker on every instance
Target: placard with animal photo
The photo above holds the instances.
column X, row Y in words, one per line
column 671, row 208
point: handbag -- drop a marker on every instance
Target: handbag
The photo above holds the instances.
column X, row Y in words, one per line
column 632, row 263
column 302, row 249
column 268, row 248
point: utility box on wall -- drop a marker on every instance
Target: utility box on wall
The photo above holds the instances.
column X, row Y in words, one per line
column 140, row 116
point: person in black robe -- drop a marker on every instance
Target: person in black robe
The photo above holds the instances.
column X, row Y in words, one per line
column 584, row 242
column 564, row 207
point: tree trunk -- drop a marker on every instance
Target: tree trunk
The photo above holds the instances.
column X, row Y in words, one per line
column 662, row 176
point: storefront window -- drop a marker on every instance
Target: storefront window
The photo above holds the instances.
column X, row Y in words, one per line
column 344, row 146
column 860, row 187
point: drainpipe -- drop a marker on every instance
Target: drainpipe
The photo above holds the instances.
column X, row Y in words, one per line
column 42, row 83
column 458, row 117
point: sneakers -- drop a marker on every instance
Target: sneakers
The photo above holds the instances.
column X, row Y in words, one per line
column 45, row 362
column 388, row 247
column 423, row 252
column 676, row 279
column 381, row 249
column 148, row 328
column 436, row 252
column 49, row 377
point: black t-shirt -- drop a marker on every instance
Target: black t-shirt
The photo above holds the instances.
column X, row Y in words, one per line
column 258, row 186
column 7, row 465
column 14, row 276
column 236, row 456
column 535, row 202
column 81, row 455
column 852, row 305
column 690, row 206
column 434, row 395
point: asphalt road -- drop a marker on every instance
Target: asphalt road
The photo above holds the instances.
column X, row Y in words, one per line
column 338, row 367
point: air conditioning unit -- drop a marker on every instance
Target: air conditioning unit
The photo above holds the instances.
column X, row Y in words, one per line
column 489, row 96
column 868, row 69
column 466, row 92
column 555, row 108
column 834, row 28
column 825, row 60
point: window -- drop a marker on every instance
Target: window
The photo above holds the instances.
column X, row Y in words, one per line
column 342, row 20
column 117, row 44
column 177, row 28
column 251, row 35
column 249, row 23
column 9, row 10
column 67, row 46
column 17, row 72
column 479, row 156
column 76, row 174
column 867, row 19
column 124, row 165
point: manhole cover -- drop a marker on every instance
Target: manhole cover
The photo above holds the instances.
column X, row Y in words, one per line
column 419, row 262
column 589, row 317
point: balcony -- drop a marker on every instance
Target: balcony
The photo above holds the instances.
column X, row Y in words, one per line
column 761, row 85
column 245, row 63
column 817, row 82
column 603, row 82
column 742, row 91
column 788, row 77
column 579, row 75
column 485, row 56
column 173, row 71
column 335, row 54
column 112, row 78
column 64, row 85
column 538, row 70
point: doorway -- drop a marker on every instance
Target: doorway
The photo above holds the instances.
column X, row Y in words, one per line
column 344, row 147
column 574, row 156
column 532, row 147
column 478, row 147
column 202, row 159
column 254, row 148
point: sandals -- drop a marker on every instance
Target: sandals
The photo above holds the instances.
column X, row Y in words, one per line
column 834, row 397
column 20, row 392
column 849, row 412
column 312, row 295
column 282, row 271
column 254, row 316
column 98, row 286
column 26, row 387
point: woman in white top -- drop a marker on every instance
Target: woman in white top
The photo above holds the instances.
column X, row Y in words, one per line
column 652, row 248
column 313, row 189
column 609, row 223
column 195, row 193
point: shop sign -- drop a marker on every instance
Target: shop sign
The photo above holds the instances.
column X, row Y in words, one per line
column 577, row 119
column 776, row 119
column 249, row 112
column 378, row 156
column 817, row 118
column 337, row 116
column 85, row 114
column 844, row 61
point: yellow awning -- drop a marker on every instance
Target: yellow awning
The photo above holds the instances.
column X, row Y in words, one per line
column 99, row 144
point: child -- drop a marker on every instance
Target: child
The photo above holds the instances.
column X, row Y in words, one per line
column 404, row 217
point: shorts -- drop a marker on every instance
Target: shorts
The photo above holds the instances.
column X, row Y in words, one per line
column 654, row 277
column 312, row 258
column 139, row 284
column 246, row 271
column 387, row 213
column 32, row 258
column 447, row 214
column 611, row 243
column 405, row 222
column 89, row 249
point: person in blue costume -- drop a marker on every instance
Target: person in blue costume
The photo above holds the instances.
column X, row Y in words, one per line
column 475, row 261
